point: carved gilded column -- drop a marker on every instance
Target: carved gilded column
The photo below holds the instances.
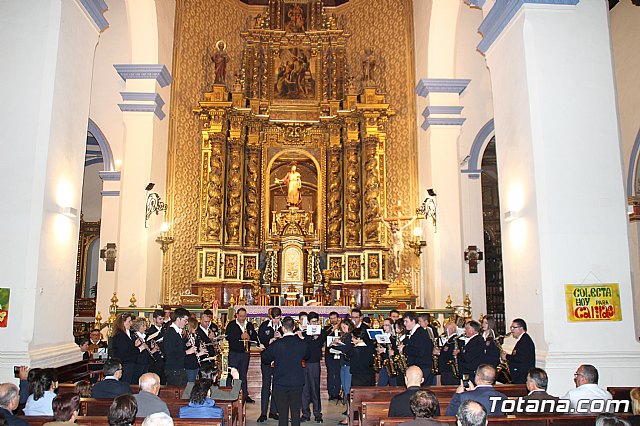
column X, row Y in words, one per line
column 252, row 198
column 334, row 198
column 371, row 195
column 234, row 192
column 352, row 194
column 215, row 189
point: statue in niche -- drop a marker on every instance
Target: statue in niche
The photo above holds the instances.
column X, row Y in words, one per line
column 397, row 241
column 368, row 66
column 294, row 183
column 220, row 59
column 295, row 22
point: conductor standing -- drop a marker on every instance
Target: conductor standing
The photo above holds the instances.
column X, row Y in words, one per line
column 287, row 354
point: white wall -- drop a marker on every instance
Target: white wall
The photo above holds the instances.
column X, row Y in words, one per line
column 91, row 198
column 50, row 46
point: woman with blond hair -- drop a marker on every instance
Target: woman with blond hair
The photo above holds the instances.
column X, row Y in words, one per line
column 635, row 407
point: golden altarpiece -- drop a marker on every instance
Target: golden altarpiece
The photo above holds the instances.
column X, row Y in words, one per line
column 293, row 103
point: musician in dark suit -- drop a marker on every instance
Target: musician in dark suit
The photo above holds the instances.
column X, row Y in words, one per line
column 175, row 349
column 424, row 405
column 537, row 381
column 482, row 392
column 111, row 386
column 473, row 352
column 417, row 347
column 155, row 338
column 523, row 356
column 287, row 354
column 126, row 346
column 447, row 344
column 359, row 324
column 239, row 333
column 332, row 361
column 95, row 341
column 268, row 332
column 207, row 330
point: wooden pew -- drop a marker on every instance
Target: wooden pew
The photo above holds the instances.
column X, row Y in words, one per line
column 377, row 393
column 73, row 372
column 102, row 421
column 100, row 407
column 621, row 393
column 559, row 420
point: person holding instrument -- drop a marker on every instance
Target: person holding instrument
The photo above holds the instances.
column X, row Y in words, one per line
column 268, row 333
column 126, row 346
column 176, row 349
column 239, row 333
column 154, row 338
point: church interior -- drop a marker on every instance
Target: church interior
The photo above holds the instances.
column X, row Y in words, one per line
column 434, row 155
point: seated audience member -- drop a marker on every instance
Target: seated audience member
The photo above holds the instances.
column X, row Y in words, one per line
column 111, row 386
column 586, row 380
column 147, row 399
column 27, row 378
column 122, row 411
column 481, row 392
column 83, row 388
column 158, row 419
column 635, row 407
column 400, row 405
column 9, row 401
column 471, row 413
column 537, row 381
column 43, row 389
column 607, row 419
column 66, row 409
column 208, row 371
column 201, row 406
column 424, row 404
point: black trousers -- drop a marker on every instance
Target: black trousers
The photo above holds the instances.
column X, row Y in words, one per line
column 447, row 378
column 311, row 390
column 176, row 377
column 158, row 368
column 240, row 360
column 288, row 400
column 265, row 392
column 333, row 376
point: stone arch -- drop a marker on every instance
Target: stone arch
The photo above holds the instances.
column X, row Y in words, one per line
column 105, row 148
column 632, row 174
column 480, row 142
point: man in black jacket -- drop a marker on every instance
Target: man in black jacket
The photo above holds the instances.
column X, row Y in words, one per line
column 523, row 356
column 400, row 404
column 175, row 349
column 268, row 332
column 473, row 352
column 332, row 361
column 239, row 333
column 111, row 386
column 9, row 400
column 156, row 333
column 311, row 390
column 287, row 354
column 207, row 331
column 417, row 347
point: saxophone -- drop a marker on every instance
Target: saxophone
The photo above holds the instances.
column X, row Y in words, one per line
column 503, row 370
column 435, row 368
column 389, row 364
column 453, row 363
column 377, row 359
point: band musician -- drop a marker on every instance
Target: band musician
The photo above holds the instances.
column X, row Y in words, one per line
column 239, row 335
column 268, row 333
column 207, row 331
column 447, row 343
column 523, row 356
column 418, row 347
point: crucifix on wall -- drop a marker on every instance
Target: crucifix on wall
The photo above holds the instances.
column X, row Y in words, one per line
column 108, row 254
column 472, row 256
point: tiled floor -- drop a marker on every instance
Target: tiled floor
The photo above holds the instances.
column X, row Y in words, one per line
column 331, row 414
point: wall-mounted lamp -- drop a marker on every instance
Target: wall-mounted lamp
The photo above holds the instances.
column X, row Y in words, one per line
column 154, row 203
column 510, row 216
column 473, row 256
column 428, row 208
column 70, row 212
column 164, row 239
column 417, row 243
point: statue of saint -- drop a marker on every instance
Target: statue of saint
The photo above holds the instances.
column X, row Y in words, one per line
column 368, row 65
column 294, row 183
column 220, row 59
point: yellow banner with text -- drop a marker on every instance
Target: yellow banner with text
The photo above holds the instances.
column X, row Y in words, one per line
column 593, row 302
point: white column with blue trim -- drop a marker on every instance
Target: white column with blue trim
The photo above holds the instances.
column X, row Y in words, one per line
column 561, row 180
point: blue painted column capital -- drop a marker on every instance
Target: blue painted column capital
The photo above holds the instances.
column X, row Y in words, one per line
column 441, row 115
column 95, row 9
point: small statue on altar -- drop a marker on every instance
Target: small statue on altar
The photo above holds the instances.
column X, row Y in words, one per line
column 397, row 241
column 368, row 66
column 294, row 183
column 220, row 59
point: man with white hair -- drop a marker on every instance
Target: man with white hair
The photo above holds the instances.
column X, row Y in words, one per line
column 158, row 419
column 147, row 399
column 9, row 400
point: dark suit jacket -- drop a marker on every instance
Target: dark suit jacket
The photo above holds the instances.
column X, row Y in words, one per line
column 11, row 419
column 399, row 405
column 287, row 354
column 480, row 394
column 174, row 350
column 471, row 356
column 234, row 332
column 540, row 396
column 265, row 334
column 110, row 388
column 124, row 348
column 522, row 359
column 419, row 348
column 204, row 337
